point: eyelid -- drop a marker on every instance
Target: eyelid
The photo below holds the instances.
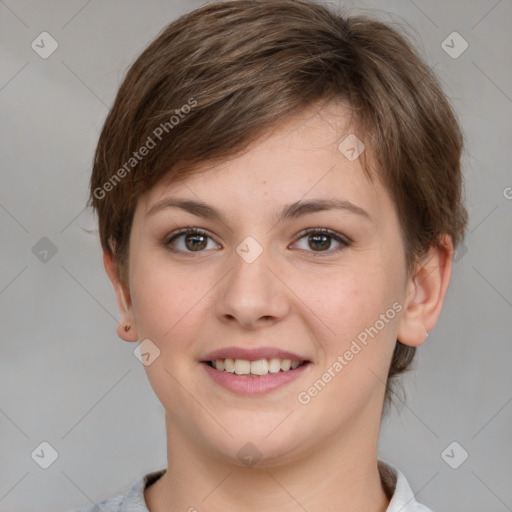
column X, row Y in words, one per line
column 334, row 234
column 188, row 230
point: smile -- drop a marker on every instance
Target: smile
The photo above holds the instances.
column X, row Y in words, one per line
column 254, row 378
column 256, row 368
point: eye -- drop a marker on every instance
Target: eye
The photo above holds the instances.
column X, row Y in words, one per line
column 194, row 240
column 320, row 240
column 190, row 240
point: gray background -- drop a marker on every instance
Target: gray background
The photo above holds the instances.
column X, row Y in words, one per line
column 65, row 377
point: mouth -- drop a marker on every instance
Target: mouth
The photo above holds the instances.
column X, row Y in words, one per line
column 256, row 368
column 254, row 371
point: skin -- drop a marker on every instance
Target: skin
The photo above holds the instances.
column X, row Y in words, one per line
column 323, row 455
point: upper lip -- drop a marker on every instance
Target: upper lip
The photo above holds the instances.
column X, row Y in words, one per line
column 252, row 354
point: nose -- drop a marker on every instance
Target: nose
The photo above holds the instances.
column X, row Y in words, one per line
column 253, row 294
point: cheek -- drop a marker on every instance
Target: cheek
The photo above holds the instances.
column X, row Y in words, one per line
column 348, row 300
column 169, row 307
column 168, row 302
column 356, row 348
column 359, row 312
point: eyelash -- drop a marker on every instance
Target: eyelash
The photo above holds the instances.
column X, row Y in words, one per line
column 343, row 241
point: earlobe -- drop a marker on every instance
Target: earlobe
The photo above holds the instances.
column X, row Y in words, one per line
column 126, row 329
column 425, row 294
column 126, row 332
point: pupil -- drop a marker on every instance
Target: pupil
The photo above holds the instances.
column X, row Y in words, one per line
column 195, row 246
column 324, row 238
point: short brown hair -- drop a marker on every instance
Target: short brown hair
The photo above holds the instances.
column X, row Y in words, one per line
column 229, row 71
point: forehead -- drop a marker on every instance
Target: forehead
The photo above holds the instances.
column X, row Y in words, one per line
column 310, row 154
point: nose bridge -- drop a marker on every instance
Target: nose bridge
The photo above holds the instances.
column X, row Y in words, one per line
column 250, row 275
column 251, row 290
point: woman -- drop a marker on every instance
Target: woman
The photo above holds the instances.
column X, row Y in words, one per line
column 279, row 196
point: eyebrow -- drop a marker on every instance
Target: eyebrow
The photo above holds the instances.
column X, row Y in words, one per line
column 289, row 211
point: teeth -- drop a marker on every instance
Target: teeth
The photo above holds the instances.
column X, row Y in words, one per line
column 229, row 365
column 274, row 365
column 259, row 367
column 242, row 367
column 286, row 364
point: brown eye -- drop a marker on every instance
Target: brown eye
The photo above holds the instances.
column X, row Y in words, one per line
column 195, row 242
column 189, row 240
column 320, row 240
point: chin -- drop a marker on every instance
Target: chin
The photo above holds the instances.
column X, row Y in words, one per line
column 260, row 453
column 264, row 442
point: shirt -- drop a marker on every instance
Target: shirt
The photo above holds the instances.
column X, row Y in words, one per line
column 393, row 480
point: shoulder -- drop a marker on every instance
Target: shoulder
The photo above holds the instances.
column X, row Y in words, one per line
column 398, row 489
column 130, row 501
column 107, row 505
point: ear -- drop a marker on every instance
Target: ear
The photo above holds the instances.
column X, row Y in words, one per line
column 123, row 300
column 425, row 294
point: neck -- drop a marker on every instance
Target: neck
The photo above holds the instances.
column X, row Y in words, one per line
column 337, row 476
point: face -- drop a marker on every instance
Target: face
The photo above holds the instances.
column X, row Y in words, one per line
column 262, row 278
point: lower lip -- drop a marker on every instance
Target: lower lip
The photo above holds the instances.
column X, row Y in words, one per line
column 244, row 385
